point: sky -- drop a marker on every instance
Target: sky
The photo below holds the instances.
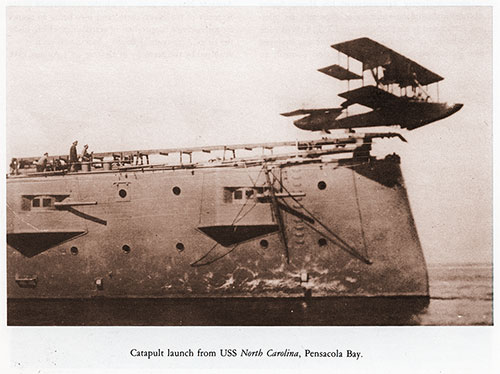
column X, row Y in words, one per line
column 141, row 78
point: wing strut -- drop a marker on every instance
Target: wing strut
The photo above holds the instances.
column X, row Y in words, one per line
column 277, row 214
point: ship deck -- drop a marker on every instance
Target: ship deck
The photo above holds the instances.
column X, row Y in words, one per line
column 207, row 156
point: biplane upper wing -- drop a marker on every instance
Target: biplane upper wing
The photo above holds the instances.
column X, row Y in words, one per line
column 370, row 96
column 328, row 111
column 398, row 68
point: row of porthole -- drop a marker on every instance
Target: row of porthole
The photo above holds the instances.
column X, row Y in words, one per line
column 123, row 193
column 180, row 247
column 177, row 191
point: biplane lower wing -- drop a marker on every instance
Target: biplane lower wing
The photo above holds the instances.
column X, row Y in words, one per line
column 370, row 96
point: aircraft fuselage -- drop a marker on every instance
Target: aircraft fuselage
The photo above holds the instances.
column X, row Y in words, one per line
column 410, row 115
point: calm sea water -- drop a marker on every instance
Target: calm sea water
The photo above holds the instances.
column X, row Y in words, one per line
column 460, row 295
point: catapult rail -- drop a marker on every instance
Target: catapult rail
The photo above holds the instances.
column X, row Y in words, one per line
column 130, row 160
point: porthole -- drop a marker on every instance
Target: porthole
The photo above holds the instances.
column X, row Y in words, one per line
column 180, row 247
column 322, row 242
column 73, row 250
column 122, row 193
column 321, row 185
column 264, row 243
column 176, row 190
column 126, row 249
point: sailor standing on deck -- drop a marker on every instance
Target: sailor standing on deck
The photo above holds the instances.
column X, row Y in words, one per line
column 14, row 166
column 73, row 157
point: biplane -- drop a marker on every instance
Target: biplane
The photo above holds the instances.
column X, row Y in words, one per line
column 413, row 107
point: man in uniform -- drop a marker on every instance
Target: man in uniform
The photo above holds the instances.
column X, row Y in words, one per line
column 14, row 166
column 73, row 157
column 86, row 156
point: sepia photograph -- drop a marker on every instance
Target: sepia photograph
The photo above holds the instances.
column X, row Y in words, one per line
column 107, row 199
column 249, row 166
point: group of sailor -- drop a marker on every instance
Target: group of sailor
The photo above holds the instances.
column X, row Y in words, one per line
column 74, row 160
column 73, row 163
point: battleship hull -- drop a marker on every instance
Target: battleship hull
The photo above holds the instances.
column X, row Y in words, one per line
column 337, row 228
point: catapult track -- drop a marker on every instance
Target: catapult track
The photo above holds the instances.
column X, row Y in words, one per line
column 140, row 160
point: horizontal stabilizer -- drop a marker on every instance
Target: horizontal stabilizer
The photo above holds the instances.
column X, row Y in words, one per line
column 339, row 72
column 328, row 111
